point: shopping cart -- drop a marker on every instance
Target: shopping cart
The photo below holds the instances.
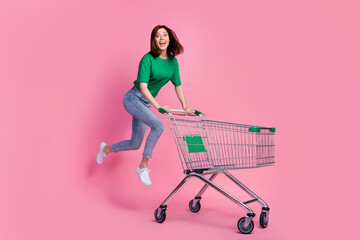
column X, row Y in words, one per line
column 209, row 147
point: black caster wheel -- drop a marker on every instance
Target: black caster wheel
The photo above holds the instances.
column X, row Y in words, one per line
column 242, row 228
column 264, row 219
column 196, row 208
column 160, row 215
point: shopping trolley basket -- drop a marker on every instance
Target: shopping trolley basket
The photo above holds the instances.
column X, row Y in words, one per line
column 213, row 147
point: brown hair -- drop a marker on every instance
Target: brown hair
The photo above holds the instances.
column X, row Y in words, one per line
column 174, row 48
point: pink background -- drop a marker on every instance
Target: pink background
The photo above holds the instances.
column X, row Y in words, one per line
column 66, row 65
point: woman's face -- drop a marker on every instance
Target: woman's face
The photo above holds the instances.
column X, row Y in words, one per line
column 162, row 39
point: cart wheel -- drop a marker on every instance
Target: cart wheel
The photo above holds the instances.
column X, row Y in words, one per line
column 264, row 219
column 242, row 228
column 162, row 215
column 196, row 208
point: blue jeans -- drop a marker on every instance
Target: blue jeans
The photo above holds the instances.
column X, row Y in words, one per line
column 137, row 105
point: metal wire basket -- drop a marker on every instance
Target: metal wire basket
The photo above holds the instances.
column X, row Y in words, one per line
column 213, row 147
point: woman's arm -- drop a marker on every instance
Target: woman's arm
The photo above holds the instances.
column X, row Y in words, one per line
column 181, row 97
column 147, row 94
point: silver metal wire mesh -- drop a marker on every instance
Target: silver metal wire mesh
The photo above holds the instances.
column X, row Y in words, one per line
column 227, row 145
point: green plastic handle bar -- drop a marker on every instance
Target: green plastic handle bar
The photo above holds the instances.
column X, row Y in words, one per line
column 161, row 110
column 197, row 112
column 257, row 129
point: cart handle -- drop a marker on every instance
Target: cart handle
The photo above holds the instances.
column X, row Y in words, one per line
column 258, row 129
column 161, row 110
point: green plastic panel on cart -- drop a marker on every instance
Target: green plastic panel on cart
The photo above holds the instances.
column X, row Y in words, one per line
column 272, row 129
column 195, row 144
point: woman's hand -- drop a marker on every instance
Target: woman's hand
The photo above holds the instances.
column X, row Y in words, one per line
column 189, row 110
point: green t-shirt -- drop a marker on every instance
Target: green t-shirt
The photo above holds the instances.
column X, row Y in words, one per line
column 157, row 72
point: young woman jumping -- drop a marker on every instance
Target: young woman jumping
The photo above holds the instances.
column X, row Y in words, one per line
column 156, row 68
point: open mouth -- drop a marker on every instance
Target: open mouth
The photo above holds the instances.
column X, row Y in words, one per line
column 162, row 44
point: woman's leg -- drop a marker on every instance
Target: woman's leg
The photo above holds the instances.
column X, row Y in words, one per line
column 139, row 108
column 147, row 117
column 138, row 128
column 137, row 136
column 144, row 162
column 157, row 129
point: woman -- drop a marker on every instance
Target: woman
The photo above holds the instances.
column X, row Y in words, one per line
column 156, row 68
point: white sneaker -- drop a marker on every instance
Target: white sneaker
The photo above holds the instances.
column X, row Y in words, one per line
column 144, row 175
column 101, row 154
